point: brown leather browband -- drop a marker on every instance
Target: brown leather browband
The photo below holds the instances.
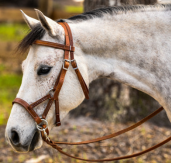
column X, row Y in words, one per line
column 53, row 94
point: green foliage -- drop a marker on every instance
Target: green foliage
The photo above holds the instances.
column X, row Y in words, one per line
column 74, row 9
column 10, row 81
column 2, row 67
column 12, row 32
column 9, row 84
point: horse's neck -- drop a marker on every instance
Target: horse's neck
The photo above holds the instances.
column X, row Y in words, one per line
column 130, row 48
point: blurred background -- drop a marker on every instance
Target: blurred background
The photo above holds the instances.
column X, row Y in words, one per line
column 112, row 105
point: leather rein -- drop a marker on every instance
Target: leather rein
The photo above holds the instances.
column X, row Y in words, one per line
column 42, row 124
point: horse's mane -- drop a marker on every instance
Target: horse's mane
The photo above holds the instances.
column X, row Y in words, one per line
column 38, row 31
column 115, row 10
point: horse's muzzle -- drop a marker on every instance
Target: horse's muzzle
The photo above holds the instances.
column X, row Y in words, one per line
column 15, row 141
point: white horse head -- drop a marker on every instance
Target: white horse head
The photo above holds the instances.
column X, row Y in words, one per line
column 40, row 71
column 132, row 48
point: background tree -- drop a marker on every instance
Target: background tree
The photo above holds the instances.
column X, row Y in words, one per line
column 46, row 6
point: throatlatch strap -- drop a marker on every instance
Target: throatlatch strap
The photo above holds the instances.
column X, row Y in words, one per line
column 73, row 61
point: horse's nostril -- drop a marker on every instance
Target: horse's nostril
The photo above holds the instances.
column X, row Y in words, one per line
column 15, row 138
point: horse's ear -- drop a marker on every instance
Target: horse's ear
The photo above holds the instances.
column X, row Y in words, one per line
column 30, row 21
column 51, row 26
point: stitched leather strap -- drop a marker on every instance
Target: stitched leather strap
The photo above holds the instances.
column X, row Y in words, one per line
column 33, row 105
column 117, row 158
column 55, row 45
column 47, row 108
column 73, row 61
column 58, row 122
column 82, row 82
column 29, row 109
column 117, row 133
column 55, row 146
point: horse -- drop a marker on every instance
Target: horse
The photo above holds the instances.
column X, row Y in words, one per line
column 129, row 44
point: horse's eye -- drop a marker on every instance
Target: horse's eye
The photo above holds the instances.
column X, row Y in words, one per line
column 44, row 70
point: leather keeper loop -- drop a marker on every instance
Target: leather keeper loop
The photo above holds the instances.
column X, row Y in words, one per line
column 58, row 124
column 37, row 120
column 30, row 107
column 74, row 64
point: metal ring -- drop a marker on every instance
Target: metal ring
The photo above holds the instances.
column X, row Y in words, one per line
column 40, row 128
column 51, row 93
column 67, row 60
column 52, row 89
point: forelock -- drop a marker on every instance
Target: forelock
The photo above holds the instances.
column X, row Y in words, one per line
column 35, row 34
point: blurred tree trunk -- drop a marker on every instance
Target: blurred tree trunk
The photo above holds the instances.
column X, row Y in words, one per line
column 19, row 3
column 112, row 100
column 46, row 6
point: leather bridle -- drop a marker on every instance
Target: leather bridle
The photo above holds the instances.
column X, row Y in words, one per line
column 52, row 96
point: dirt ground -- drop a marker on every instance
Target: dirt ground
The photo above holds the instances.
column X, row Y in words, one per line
column 84, row 129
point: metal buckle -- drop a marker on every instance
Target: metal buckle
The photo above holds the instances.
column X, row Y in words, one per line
column 64, row 64
column 52, row 89
column 76, row 64
column 40, row 128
